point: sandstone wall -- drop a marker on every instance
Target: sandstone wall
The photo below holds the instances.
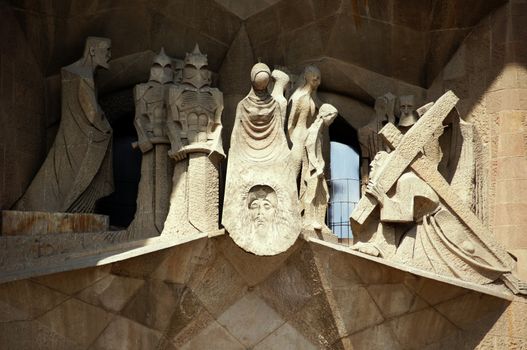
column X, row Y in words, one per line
column 489, row 74
column 22, row 116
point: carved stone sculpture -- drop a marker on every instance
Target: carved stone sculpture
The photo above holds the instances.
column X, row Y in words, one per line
column 260, row 209
column 407, row 113
column 78, row 168
column 369, row 139
column 445, row 236
column 302, row 113
column 153, row 141
column 314, row 193
column 281, row 81
column 195, row 111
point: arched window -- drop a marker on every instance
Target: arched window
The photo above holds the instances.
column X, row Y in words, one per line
column 344, row 183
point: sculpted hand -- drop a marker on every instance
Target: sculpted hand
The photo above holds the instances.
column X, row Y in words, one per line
column 376, row 191
column 180, row 155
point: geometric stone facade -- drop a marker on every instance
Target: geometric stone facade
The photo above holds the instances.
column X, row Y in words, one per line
column 315, row 294
column 209, row 290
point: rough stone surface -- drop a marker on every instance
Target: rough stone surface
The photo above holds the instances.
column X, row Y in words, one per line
column 314, row 298
column 37, row 223
column 260, row 208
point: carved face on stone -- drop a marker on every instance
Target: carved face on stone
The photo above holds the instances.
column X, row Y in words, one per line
column 407, row 116
column 260, row 76
column 161, row 70
column 99, row 51
column 312, row 77
column 261, row 204
column 195, row 70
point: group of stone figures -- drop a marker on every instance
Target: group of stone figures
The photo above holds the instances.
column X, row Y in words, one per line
column 414, row 209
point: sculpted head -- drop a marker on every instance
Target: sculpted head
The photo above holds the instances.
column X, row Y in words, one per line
column 407, row 116
column 261, row 203
column 161, row 70
column 328, row 113
column 312, row 77
column 195, row 69
column 98, row 51
column 260, row 76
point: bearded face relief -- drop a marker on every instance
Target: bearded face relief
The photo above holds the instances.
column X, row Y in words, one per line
column 261, row 203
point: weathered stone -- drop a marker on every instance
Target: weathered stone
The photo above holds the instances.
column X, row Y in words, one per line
column 219, row 286
column 154, row 140
column 72, row 282
column 24, row 300
column 395, row 299
column 376, row 337
column 437, row 327
column 112, row 292
column 154, row 304
column 38, row 223
column 260, row 209
column 250, row 320
column 283, row 338
column 356, row 308
column 195, row 127
column 78, row 168
column 222, row 339
column 72, row 315
column 122, row 333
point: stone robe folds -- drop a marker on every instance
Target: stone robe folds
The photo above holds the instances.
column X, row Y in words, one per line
column 78, row 168
column 260, row 210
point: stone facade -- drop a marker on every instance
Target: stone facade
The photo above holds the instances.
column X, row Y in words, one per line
column 64, row 286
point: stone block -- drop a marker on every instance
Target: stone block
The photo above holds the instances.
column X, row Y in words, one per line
column 33, row 335
column 123, row 333
column 316, row 322
column 436, row 326
column 71, row 282
column 376, row 337
column 77, row 321
column 468, row 309
column 250, row 320
column 510, row 214
column 395, row 299
column 511, row 122
column 356, row 308
column 290, row 287
column 431, row 291
column 511, row 145
column 511, row 191
column 111, row 293
column 180, row 262
column 38, row 223
column 24, row 300
column 214, row 332
column 154, row 304
column 285, row 337
column 511, row 168
column 219, row 287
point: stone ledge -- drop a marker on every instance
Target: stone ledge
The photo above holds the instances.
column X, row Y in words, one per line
column 489, row 290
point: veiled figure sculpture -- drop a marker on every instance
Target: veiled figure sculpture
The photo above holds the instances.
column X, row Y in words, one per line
column 260, row 209
column 78, row 168
column 424, row 221
column 195, row 110
column 153, row 141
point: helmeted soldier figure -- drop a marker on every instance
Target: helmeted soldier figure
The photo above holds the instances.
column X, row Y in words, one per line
column 153, row 141
column 195, row 125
